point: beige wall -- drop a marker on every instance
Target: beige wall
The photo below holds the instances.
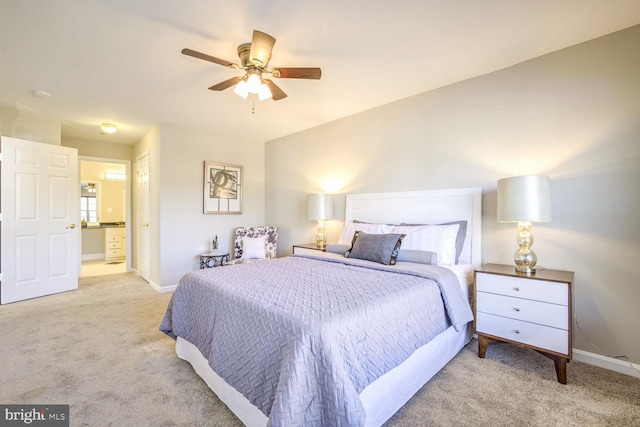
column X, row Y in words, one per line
column 112, row 201
column 573, row 115
column 180, row 230
column 24, row 123
column 101, row 149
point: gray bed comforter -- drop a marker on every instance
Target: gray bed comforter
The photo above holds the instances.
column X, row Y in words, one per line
column 300, row 337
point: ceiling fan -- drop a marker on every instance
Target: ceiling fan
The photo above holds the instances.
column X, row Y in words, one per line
column 254, row 58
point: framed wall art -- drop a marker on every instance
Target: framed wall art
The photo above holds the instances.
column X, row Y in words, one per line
column 223, row 186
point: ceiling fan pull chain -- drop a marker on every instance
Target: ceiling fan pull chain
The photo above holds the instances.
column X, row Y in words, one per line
column 253, row 108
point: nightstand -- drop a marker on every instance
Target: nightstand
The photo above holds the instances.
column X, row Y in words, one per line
column 307, row 249
column 213, row 259
column 532, row 310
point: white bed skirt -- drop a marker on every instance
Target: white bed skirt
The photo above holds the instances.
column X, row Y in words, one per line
column 381, row 399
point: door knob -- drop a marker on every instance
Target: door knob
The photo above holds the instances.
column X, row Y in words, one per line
column 71, row 226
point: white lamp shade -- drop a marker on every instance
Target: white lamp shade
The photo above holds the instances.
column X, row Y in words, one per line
column 253, row 83
column 524, row 198
column 242, row 89
column 264, row 92
column 319, row 206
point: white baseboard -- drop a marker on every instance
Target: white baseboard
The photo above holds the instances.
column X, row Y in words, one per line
column 162, row 289
column 91, row 257
column 155, row 286
column 606, row 362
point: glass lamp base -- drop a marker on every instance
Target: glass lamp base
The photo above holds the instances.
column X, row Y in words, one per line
column 525, row 258
column 525, row 269
column 321, row 239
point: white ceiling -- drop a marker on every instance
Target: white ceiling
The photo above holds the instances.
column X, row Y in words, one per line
column 119, row 61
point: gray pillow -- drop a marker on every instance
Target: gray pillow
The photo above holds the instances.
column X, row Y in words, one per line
column 462, row 234
column 381, row 248
column 418, row 257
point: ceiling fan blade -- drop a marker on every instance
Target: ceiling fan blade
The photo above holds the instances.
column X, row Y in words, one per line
column 261, row 46
column 276, row 92
column 297, row 73
column 209, row 58
column 226, row 84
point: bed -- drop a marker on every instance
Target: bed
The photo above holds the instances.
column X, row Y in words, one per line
column 339, row 355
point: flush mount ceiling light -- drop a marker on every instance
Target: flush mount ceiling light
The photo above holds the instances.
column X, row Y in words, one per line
column 108, row 128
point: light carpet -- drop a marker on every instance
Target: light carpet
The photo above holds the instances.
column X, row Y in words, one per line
column 99, row 350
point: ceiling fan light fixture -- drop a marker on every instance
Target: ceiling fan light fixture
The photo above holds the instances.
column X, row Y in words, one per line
column 242, row 89
column 264, row 92
column 254, row 58
column 108, row 128
column 253, row 82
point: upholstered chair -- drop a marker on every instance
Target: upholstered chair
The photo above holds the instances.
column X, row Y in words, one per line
column 255, row 244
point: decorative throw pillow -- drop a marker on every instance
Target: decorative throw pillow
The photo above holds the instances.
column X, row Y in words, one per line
column 381, row 248
column 253, row 248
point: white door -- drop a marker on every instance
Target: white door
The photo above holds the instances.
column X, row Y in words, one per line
column 142, row 217
column 40, row 211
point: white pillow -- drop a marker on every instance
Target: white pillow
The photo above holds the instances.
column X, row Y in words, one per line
column 440, row 239
column 351, row 227
column 253, row 248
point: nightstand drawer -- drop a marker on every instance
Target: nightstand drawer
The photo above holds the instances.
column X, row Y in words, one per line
column 542, row 313
column 538, row 290
column 543, row 337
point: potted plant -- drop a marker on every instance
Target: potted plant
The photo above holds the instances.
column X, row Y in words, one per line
column 214, row 244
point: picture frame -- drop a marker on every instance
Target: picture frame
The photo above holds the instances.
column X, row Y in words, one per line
column 223, row 188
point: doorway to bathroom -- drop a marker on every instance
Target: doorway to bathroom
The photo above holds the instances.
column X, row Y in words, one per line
column 105, row 215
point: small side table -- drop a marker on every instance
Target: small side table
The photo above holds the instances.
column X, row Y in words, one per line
column 213, row 259
column 307, row 249
column 532, row 311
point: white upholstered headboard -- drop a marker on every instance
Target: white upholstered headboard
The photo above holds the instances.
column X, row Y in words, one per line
column 424, row 207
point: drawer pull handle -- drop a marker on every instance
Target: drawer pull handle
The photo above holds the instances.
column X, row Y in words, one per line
column 517, row 289
column 517, row 331
column 516, row 308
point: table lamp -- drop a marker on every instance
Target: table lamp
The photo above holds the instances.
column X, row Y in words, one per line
column 524, row 199
column 320, row 208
